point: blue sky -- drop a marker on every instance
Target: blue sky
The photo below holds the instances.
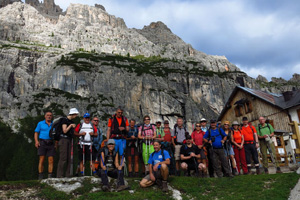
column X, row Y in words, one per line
column 260, row 37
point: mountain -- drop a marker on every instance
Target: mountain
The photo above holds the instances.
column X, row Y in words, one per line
column 89, row 59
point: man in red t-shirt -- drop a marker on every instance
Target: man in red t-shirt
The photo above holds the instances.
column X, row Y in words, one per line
column 250, row 145
column 118, row 126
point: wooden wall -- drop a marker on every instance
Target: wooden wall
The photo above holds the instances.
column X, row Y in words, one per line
column 259, row 108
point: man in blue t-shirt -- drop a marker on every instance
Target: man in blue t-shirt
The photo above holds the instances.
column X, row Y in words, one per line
column 216, row 138
column 44, row 144
column 158, row 168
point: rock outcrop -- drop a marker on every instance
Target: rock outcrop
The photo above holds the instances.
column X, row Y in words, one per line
column 48, row 7
column 4, row 3
column 89, row 59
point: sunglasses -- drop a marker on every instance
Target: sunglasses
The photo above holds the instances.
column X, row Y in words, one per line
column 166, row 123
column 198, row 126
column 226, row 124
column 147, row 119
column 111, row 144
column 96, row 120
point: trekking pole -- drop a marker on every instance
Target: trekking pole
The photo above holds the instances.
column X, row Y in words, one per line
column 146, row 156
column 71, row 165
column 91, row 158
column 196, row 167
column 83, row 160
column 119, row 171
column 103, row 163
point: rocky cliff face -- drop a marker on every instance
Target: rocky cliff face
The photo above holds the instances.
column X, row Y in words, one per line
column 90, row 60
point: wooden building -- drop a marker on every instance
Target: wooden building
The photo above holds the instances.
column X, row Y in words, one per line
column 275, row 108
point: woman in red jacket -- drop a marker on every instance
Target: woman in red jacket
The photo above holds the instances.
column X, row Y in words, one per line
column 238, row 147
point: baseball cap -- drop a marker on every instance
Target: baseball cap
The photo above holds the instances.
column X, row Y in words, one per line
column 86, row 115
column 213, row 121
column 188, row 137
column 245, row 119
column 73, row 111
column 111, row 141
column 235, row 123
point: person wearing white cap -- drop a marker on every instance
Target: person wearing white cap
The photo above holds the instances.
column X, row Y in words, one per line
column 203, row 123
column 65, row 143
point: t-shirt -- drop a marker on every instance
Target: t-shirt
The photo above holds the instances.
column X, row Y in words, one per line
column 157, row 157
column 87, row 128
column 264, row 130
column 119, row 119
column 198, row 137
column 43, row 129
column 237, row 136
column 217, row 135
column 186, row 151
column 204, row 129
column 248, row 133
column 180, row 134
column 67, row 121
column 160, row 132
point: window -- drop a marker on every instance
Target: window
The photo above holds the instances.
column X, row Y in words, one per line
column 298, row 111
column 248, row 107
column 238, row 110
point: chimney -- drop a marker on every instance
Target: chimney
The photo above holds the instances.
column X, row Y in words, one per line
column 287, row 95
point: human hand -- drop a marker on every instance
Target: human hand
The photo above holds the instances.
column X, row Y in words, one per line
column 37, row 144
column 192, row 154
column 83, row 133
column 155, row 167
column 121, row 128
column 152, row 177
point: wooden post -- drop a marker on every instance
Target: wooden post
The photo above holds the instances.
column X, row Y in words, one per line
column 296, row 135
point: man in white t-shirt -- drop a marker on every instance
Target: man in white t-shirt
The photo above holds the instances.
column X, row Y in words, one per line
column 85, row 131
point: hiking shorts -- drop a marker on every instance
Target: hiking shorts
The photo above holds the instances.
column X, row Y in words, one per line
column 230, row 153
column 120, row 146
column 87, row 153
column 46, row 148
column 157, row 175
column 177, row 152
column 132, row 151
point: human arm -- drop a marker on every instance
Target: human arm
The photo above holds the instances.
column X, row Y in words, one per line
column 37, row 143
column 102, row 160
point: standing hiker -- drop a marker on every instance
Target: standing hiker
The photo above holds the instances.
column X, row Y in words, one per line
column 158, row 168
column 159, row 130
column 166, row 144
column 147, row 133
column 65, row 143
column 217, row 137
column 132, row 149
column 96, row 143
column 250, row 145
column 228, row 147
column 178, row 136
column 86, row 131
column 237, row 140
column 118, row 127
column 197, row 138
column 44, row 144
column 265, row 133
column 110, row 166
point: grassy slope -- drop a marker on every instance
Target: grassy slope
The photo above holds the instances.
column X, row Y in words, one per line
column 261, row 187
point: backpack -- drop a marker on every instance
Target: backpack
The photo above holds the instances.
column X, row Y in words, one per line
column 254, row 134
column 105, row 151
column 98, row 140
column 56, row 129
column 143, row 132
column 259, row 127
column 209, row 133
column 81, row 137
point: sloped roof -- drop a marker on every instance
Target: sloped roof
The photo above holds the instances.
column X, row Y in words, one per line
column 271, row 98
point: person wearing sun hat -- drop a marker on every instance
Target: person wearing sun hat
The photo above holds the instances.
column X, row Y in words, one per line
column 65, row 143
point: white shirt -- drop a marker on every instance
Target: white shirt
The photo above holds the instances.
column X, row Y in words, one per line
column 87, row 128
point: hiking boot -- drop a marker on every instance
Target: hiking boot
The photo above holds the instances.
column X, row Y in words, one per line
column 266, row 171
column 122, row 187
column 41, row 176
column 278, row 170
column 258, row 171
column 235, row 172
column 164, row 186
column 105, row 188
column 50, row 175
column 159, row 183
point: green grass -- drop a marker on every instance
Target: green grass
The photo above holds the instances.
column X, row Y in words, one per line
column 273, row 186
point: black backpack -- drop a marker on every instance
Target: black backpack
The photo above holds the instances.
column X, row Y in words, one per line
column 56, row 129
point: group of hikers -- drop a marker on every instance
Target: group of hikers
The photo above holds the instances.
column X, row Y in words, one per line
column 216, row 150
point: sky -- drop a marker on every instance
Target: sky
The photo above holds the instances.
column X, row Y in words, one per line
column 260, row 37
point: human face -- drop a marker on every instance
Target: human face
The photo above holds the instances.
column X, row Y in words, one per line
column 188, row 141
column 166, row 125
column 245, row 122
column 147, row 120
column 95, row 121
column 132, row 123
column 262, row 120
column 87, row 120
column 213, row 125
column 48, row 116
column 226, row 126
column 156, row 146
column 119, row 113
column 180, row 122
column 203, row 124
column 198, row 127
column 235, row 127
column 110, row 147
column 158, row 125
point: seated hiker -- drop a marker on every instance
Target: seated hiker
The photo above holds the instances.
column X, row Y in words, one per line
column 158, row 168
column 189, row 155
column 111, row 167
